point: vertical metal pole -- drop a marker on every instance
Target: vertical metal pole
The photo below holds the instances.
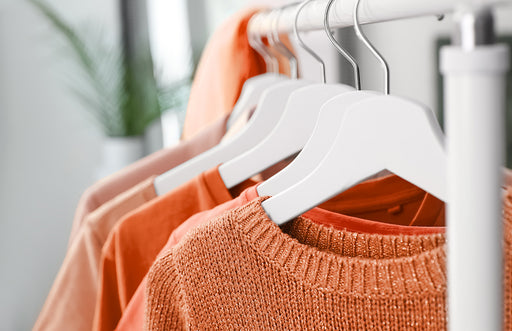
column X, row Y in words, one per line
column 474, row 72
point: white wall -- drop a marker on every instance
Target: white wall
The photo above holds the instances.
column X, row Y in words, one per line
column 49, row 149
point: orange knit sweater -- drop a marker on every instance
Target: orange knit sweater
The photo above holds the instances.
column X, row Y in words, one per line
column 241, row 271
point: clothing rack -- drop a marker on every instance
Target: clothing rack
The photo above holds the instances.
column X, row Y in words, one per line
column 370, row 11
column 474, row 70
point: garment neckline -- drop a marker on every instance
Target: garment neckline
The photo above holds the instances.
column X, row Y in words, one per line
column 346, row 262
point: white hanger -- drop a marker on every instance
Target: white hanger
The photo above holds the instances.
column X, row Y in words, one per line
column 291, row 132
column 324, row 132
column 254, row 86
column 383, row 132
column 287, row 138
column 251, row 93
column 329, row 120
column 266, row 115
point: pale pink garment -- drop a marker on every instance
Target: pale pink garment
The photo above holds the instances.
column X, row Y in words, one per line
column 71, row 302
column 154, row 164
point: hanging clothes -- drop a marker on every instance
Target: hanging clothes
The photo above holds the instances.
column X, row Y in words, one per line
column 389, row 199
column 78, row 275
column 99, row 210
column 303, row 276
column 135, row 242
column 57, row 312
column 204, row 257
column 154, row 164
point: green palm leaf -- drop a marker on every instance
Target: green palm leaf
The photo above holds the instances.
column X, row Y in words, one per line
column 122, row 101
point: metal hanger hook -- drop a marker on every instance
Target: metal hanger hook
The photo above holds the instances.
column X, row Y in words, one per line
column 278, row 44
column 255, row 42
column 341, row 50
column 372, row 49
column 301, row 42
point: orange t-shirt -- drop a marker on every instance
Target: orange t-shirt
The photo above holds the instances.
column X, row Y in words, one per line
column 392, row 202
column 135, row 242
column 154, row 164
column 72, row 298
column 226, row 63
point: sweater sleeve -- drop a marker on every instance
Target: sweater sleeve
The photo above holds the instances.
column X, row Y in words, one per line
column 165, row 304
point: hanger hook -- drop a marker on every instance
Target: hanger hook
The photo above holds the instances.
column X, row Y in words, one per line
column 341, row 50
column 301, row 42
column 278, row 44
column 374, row 51
column 260, row 48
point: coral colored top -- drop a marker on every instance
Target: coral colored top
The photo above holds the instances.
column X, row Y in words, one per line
column 154, row 164
column 241, row 271
column 390, row 199
column 72, row 298
column 135, row 242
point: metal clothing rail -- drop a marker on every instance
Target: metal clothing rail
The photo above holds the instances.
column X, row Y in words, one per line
column 370, row 11
column 474, row 70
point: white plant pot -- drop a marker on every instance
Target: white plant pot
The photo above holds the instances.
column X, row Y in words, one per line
column 119, row 152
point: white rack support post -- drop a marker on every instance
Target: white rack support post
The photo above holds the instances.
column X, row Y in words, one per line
column 474, row 91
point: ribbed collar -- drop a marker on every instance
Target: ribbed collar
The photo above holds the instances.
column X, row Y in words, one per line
column 346, row 262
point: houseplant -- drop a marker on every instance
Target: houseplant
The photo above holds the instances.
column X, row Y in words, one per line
column 123, row 99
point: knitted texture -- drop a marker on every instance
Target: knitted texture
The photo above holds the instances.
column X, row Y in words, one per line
column 241, row 271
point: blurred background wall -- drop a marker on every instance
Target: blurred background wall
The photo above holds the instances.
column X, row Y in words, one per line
column 409, row 47
column 50, row 149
